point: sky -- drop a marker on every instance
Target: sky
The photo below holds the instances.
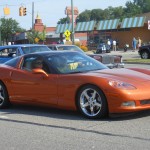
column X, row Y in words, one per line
column 50, row 11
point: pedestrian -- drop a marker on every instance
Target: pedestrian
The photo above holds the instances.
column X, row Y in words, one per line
column 134, row 44
column 139, row 42
column 108, row 44
column 114, row 45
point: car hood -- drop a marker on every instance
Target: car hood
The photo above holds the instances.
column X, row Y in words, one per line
column 125, row 75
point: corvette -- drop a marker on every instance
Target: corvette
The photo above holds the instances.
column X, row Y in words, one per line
column 73, row 81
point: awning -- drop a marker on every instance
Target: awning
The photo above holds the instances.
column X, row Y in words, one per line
column 85, row 26
column 61, row 28
column 108, row 24
column 133, row 22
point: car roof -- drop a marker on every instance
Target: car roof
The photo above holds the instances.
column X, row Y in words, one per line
column 20, row 45
column 59, row 45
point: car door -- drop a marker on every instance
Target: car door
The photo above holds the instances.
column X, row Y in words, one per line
column 30, row 87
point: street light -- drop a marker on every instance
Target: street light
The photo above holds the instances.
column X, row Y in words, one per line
column 72, row 21
column 0, row 33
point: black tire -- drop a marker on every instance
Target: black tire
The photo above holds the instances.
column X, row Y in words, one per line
column 145, row 55
column 91, row 102
column 4, row 98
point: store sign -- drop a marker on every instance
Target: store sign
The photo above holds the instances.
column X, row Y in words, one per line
column 148, row 24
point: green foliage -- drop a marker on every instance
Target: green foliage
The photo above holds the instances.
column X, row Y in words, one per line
column 42, row 35
column 33, row 35
column 84, row 16
column 146, row 61
column 144, row 5
column 131, row 9
column 63, row 20
column 8, row 28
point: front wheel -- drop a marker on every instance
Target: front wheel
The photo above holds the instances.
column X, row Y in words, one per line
column 145, row 55
column 91, row 102
column 4, row 100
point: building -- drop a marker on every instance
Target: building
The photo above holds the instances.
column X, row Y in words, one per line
column 91, row 33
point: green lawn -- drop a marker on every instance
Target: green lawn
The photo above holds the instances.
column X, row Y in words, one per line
column 138, row 60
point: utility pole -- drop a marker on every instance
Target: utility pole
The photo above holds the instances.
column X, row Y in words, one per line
column 32, row 15
column 72, row 21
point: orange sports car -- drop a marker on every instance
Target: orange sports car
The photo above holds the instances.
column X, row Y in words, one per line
column 75, row 81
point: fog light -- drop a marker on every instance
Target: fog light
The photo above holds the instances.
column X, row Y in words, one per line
column 129, row 103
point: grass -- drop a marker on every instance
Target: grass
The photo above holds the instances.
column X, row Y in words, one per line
column 138, row 60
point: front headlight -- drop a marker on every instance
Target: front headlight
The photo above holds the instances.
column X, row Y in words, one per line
column 122, row 85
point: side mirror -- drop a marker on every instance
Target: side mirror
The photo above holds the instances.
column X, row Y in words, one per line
column 39, row 71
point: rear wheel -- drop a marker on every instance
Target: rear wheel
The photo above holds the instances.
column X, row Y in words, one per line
column 4, row 100
column 145, row 55
column 92, row 102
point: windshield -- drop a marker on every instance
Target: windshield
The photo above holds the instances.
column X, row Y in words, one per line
column 33, row 49
column 73, row 62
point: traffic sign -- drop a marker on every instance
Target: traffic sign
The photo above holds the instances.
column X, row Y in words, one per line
column 36, row 40
column 67, row 33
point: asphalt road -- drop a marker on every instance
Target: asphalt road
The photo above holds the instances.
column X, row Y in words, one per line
column 37, row 128
column 34, row 128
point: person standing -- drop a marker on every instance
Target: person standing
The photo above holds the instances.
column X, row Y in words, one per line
column 139, row 42
column 114, row 45
column 134, row 44
column 109, row 44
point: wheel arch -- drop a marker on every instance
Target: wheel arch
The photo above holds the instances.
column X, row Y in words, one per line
column 4, row 85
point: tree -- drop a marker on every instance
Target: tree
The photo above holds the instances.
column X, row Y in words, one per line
column 63, row 20
column 132, row 9
column 96, row 14
column 84, row 16
column 42, row 35
column 8, row 28
column 35, row 36
column 143, row 4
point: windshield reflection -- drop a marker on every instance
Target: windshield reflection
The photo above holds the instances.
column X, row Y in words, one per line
column 74, row 62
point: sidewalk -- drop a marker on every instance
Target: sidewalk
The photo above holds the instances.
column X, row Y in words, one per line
column 126, row 55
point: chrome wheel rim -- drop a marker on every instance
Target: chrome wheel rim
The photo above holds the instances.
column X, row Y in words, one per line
column 145, row 55
column 1, row 95
column 90, row 102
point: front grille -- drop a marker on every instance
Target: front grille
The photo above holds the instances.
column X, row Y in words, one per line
column 144, row 102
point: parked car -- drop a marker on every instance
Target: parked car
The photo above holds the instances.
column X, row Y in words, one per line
column 7, row 52
column 111, row 61
column 103, row 48
column 65, row 47
column 79, row 83
column 144, row 51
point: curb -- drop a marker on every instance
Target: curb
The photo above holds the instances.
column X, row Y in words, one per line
column 136, row 63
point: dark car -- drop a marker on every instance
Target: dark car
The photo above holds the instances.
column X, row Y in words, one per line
column 144, row 51
column 7, row 52
column 103, row 48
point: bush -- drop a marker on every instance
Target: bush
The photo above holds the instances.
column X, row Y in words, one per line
column 84, row 48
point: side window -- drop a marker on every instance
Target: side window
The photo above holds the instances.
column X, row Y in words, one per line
column 55, row 48
column 4, row 53
column 12, row 52
column 60, row 48
column 8, row 52
column 34, row 62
